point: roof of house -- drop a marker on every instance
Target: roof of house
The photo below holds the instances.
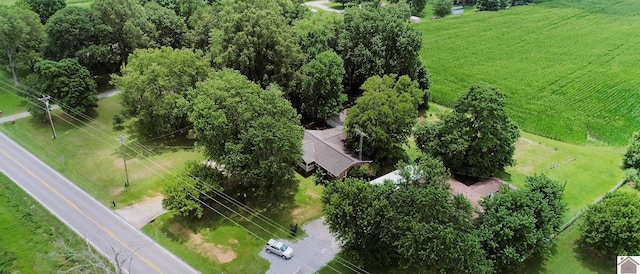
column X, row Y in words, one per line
column 326, row 148
column 474, row 193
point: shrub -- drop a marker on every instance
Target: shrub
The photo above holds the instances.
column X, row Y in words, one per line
column 492, row 5
column 442, row 8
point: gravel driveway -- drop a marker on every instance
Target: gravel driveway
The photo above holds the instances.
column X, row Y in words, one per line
column 309, row 254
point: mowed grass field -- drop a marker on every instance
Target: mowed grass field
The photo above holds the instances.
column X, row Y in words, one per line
column 88, row 154
column 9, row 102
column 569, row 67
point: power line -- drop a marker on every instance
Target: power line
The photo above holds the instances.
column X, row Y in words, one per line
column 223, row 195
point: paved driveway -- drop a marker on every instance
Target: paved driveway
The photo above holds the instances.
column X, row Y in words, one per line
column 309, row 254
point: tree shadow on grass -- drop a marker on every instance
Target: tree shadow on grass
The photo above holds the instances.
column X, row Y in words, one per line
column 592, row 261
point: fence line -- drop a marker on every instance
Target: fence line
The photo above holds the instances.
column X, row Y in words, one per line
column 575, row 217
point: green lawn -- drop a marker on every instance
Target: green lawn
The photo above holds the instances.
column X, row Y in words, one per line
column 589, row 170
column 569, row 67
column 90, row 156
column 31, row 239
column 214, row 244
column 10, row 102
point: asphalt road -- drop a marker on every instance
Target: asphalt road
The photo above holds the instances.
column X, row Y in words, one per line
column 310, row 254
column 99, row 225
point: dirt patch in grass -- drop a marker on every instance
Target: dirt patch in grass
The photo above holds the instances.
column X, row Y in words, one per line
column 222, row 254
column 116, row 191
column 312, row 194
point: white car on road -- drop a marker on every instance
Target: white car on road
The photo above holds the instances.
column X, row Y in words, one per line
column 279, row 248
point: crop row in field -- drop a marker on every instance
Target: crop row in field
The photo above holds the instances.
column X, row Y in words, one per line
column 569, row 68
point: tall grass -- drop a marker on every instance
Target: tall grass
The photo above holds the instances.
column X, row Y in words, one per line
column 569, row 68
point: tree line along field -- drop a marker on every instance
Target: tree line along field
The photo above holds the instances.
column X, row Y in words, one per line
column 569, row 68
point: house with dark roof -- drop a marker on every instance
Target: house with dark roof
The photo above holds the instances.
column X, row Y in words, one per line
column 326, row 149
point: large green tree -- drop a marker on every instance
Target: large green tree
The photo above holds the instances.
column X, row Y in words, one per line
column 477, row 138
column 21, row 37
column 154, row 86
column 612, row 227
column 632, row 156
column 317, row 33
column 199, row 26
column 67, row 82
column 189, row 192
column 73, row 29
column 129, row 23
column 519, row 225
column 169, row 28
column 46, row 8
column 414, row 222
column 255, row 39
column 378, row 40
column 252, row 132
column 322, row 92
column 386, row 112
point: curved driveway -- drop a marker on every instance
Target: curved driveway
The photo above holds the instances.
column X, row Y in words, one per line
column 98, row 225
column 309, row 254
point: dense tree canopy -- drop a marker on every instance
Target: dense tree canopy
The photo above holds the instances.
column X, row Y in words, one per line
column 67, row 82
column 632, row 156
column 169, row 28
column 612, row 227
column 129, row 23
column 517, row 225
column 378, row 40
column 253, row 133
column 154, row 87
column 322, row 92
column 414, row 222
column 200, row 25
column 416, row 5
column 21, row 37
column 46, row 8
column 477, row 138
column 317, row 33
column 255, row 39
column 386, row 112
column 73, row 29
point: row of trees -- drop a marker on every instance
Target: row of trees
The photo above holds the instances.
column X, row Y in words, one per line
column 417, row 222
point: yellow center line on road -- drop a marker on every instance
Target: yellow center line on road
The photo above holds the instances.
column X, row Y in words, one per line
column 156, row 268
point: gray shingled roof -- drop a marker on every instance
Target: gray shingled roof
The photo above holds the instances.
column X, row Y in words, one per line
column 326, row 149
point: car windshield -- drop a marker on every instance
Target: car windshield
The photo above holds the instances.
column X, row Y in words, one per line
column 283, row 248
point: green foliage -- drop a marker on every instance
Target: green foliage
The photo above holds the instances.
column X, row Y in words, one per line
column 129, row 23
column 423, row 173
column 416, row 5
column 46, row 8
column 154, row 86
column 255, row 39
column 378, row 40
column 386, row 112
column 573, row 70
column 477, row 138
column 442, row 8
column 169, row 28
column 200, row 25
column 198, row 182
column 321, row 95
column 632, row 156
column 73, row 29
column 519, row 225
column 67, row 82
column 401, row 224
column 365, row 171
column 612, row 227
column 492, row 5
column 21, row 37
column 253, row 133
column 317, row 33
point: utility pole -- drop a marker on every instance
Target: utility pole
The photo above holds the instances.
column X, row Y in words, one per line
column 46, row 99
column 359, row 132
column 124, row 158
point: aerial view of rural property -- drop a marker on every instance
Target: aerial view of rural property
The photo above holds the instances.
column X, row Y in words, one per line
column 326, row 136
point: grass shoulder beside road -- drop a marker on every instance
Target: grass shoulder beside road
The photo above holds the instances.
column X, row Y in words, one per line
column 10, row 103
column 87, row 153
column 31, row 239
